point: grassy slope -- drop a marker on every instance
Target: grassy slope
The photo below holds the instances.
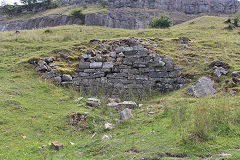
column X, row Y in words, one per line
column 58, row 12
column 32, row 107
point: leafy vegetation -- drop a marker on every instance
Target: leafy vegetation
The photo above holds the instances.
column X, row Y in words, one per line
column 181, row 126
column 77, row 13
column 160, row 22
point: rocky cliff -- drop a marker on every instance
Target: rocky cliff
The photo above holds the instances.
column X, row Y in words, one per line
column 41, row 22
column 130, row 14
column 187, row 6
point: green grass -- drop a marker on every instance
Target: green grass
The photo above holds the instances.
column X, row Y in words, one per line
column 37, row 109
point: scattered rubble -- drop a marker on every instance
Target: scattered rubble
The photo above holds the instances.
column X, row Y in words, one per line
column 76, row 119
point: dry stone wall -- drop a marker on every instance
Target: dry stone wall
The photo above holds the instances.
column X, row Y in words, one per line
column 119, row 68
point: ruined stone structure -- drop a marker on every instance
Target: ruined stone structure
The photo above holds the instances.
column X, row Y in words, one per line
column 119, row 68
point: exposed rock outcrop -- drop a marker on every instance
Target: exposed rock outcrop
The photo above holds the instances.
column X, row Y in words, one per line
column 131, row 18
column 187, row 6
column 40, row 22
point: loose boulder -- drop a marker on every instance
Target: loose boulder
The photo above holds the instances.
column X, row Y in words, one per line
column 125, row 114
column 203, row 87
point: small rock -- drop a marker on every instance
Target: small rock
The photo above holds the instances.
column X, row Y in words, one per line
column 93, row 102
column 121, row 54
column 113, row 54
column 106, row 137
column 117, row 121
column 225, row 154
column 108, row 126
column 43, row 146
column 57, row 79
column 66, row 77
column 218, row 71
column 112, row 100
column 125, row 114
column 184, row 40
column 236, row 74
column 129, row 104
column 58, row 146
column 78, row 99
column 94, row 135
column 48, row 59
column 203, row 87
column 113, row 105
column 232, row 92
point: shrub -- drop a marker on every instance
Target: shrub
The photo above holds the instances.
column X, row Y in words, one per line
column 160, row 22
column 78, row 14
column 8, row 9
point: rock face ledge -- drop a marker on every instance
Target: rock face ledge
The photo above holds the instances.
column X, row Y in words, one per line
column 40, row 22
column 187, row 6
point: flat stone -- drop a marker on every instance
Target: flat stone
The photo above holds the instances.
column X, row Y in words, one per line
column 96, row 65
column 129, row 104
column 84, row 65
column 93, row 102
column 107, row 65
column 203, row 87
column 123, row 49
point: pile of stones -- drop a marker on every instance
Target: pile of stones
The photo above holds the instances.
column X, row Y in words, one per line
column 119, row 67
column 127, row 65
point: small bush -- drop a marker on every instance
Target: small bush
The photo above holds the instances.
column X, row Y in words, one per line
column 78, row 14
column 160, row 22
column 230, row 27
